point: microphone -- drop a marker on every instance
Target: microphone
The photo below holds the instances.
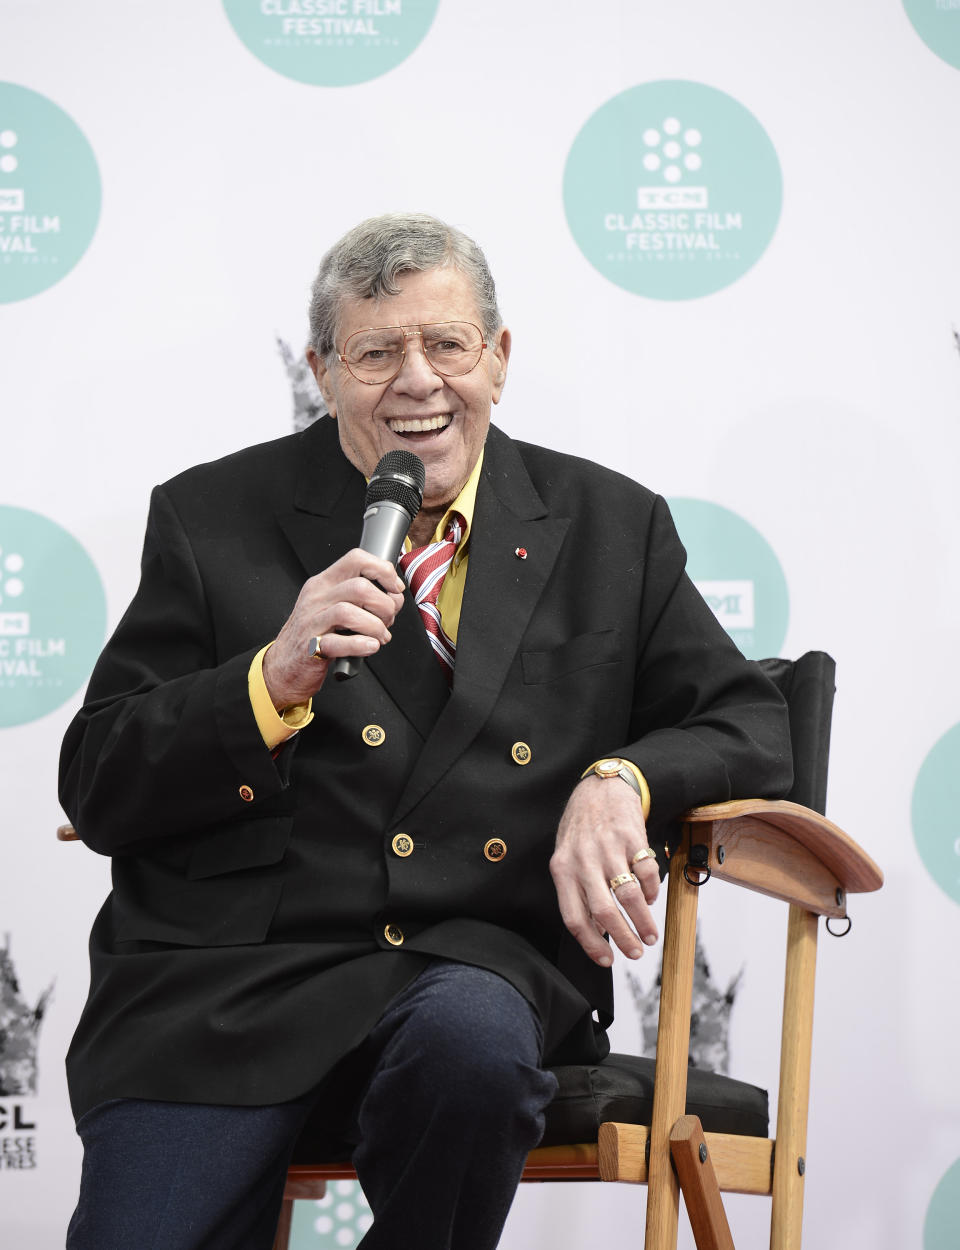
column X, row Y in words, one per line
column 393, row 499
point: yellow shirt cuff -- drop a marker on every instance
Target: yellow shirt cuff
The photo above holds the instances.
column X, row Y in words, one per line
column 641, row 780
column 274, row 727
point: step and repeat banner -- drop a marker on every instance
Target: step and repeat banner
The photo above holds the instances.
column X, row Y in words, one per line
column 726, row 244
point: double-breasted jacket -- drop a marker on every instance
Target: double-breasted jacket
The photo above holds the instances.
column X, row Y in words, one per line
column 264, row 910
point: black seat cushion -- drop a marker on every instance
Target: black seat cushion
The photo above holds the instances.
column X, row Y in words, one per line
column 621, row 1089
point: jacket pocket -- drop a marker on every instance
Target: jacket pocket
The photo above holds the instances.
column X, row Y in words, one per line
column 251, row 843
column 215, row 912
column 583, row 651
column 226, row 896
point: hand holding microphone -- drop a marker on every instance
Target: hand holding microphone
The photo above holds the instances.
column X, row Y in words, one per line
column 349, row 607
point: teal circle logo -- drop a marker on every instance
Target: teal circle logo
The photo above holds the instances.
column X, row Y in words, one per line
column 937, row 22
column 337, row 1221
column 934, row 813
column 943, row 1214
column 737, row 572
column 331, row 43
column 49, row 193
column 672, row 190
column 53, row 615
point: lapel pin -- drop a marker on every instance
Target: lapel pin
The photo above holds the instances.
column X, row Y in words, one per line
column 520, row 553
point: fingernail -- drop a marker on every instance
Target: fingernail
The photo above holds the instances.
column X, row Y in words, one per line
column 650, row 938
column 604, row 961
column 636, row 952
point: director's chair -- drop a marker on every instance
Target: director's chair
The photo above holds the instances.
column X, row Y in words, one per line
column 659, row 1122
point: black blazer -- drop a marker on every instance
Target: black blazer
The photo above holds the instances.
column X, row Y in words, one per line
column 250, row 942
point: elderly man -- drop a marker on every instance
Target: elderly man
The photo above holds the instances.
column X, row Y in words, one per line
column 382, row 905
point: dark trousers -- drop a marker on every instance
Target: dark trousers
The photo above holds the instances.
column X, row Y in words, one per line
column 445, row 1098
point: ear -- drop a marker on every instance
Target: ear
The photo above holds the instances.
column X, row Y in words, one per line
column 321, row 372
column 499, row 358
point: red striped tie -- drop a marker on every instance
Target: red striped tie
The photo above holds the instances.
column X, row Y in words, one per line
column 424, row 569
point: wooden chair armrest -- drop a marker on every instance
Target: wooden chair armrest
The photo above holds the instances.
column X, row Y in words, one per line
column 785, row 850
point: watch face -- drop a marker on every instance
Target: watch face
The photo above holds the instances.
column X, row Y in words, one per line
column 608, row 768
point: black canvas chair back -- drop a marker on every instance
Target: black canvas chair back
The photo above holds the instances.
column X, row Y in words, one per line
column 808, row 685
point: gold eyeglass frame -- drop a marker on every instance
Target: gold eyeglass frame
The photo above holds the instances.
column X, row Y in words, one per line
column 410, row 332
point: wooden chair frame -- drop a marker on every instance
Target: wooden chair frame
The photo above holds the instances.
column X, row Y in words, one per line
column 777, row 848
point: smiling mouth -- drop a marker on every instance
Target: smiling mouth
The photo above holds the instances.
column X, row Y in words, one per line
column 419, row 425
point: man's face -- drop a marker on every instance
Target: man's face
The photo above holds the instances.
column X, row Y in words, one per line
column 442, row 420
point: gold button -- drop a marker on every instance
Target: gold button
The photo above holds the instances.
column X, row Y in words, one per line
column 246, row 794
column 521, row 753
column 495, row 849
column 402, row 844
column 394, row 934
column 373, row 735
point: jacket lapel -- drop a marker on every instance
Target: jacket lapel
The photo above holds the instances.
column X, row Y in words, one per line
column 500, row 596
column 327, row 486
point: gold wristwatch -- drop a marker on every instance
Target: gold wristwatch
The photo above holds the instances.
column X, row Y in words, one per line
column 613, row 766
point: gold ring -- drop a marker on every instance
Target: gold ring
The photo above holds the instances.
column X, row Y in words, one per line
column 646, row 853
column 622, row 879
column 316, row 648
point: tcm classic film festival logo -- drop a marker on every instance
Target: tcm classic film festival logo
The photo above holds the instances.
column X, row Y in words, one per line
column 937, row 22
column 337, row 1221
column 49, row 193
column 943, row 1213
column 934, row 813
column 737, row 572
column 53, row 615
column 331, row 43
column 936, row 832
column 672, row 190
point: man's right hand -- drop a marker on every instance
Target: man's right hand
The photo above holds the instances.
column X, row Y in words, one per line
column 342, row 597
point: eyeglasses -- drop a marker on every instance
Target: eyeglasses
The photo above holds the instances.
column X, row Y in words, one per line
column 452, row 348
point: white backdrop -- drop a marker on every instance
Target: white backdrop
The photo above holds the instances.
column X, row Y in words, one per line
column 817, row 397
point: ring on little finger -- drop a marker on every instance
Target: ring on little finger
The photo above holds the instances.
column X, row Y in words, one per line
column 316, row 648
column 621, row 879
column 646, row 853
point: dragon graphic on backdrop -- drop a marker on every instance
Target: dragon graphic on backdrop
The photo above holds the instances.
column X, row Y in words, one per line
column 19, row 1030
column 308, row 403
column 709, row 1015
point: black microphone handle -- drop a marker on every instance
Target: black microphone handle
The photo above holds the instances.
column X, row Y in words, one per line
column 385, row 526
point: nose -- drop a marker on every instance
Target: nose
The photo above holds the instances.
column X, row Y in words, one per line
column 416, row 376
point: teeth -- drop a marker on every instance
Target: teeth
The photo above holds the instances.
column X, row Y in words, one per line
column 418, row 425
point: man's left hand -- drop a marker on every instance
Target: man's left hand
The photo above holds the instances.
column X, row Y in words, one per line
column 601, row 831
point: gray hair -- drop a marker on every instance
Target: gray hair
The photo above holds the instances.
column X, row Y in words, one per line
column 369, row 259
